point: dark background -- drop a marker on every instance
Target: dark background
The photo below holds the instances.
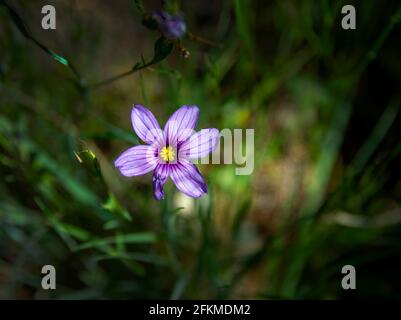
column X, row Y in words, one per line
column 325, row 192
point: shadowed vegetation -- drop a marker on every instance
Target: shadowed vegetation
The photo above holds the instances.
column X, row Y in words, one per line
column 325, row 191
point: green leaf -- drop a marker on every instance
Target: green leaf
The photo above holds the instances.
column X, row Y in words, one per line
column 163, row 48
column 113, row 205
column 74, row 231
column 141, row 237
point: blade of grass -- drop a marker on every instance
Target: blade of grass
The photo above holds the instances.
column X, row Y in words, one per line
column 243, row 21
column 140, row 237
column 21, row 26
column 377, row 136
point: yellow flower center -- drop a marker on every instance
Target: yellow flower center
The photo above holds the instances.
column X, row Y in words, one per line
column 167, row 154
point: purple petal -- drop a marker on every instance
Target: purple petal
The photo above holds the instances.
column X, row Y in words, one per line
column 172, row 26
column 188, row 179
column 159, row 179
column 145, row 125
column 180, row 126
column 136, row 161
column 200, row 144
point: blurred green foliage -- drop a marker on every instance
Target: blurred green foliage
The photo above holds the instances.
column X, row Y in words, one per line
column 326, row 187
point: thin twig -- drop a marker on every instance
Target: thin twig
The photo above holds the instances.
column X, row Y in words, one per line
column 119, row 76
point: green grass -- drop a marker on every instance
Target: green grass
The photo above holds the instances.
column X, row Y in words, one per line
column 325, row 191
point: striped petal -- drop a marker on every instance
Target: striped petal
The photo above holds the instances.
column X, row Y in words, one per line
column 188, row 179
column 159, row 179
column 145, row 125
column 180, row 126
column 136, row 161
column 200, row 144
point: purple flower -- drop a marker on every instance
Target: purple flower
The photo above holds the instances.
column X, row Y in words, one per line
column 172, row 26
column 169, row 152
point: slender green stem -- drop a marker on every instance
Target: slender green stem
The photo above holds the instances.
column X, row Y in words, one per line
column 19, row 23
column 119, row 76
column 372, row 54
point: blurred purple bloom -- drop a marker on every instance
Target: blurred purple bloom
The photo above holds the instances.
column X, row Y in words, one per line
column 172, row 26
column 169, row 152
